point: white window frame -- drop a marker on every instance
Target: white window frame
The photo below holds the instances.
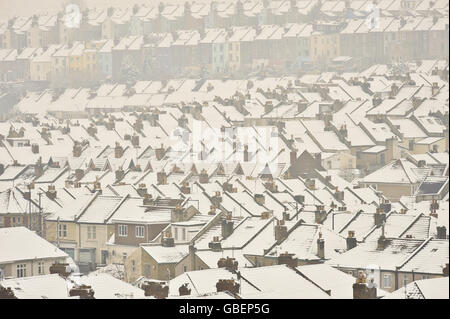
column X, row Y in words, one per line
column 123, row 230
column 387, row 277
column 21, row 270
column 41, row 268
column 62, row 230
column 92, row 232
column 140, row 231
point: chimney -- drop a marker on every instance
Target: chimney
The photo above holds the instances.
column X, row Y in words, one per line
column 380, row 217
column 7, row 293
column 212, row 210
column 281, row 231
column 320, row 214
column 321, row 247
column 63, row 270
column 38, row 168
column 382, row 242
column 287, row 259
column 215, row 244
column 97, row 185
column 77, row 150
column 229, row 263
column 83, row 291
column 361, row 290
column 135, row 141
column 434, row 206
column 79, row 174
column 246, row 157
column 434, row 89
column 228, row 187
column 159, row 290
column 184, row 290
column 260, row 199
column 351, row 240
column 142, row 190
column 178, row 214
column 441, row 232
column 35, row 148
column 271, row 186
column 167, row 240
column 216, row 199
column 268, row 107
column 227, row 227
column 293, row 156
column 185, row 189
column 120, row 173
column 203, row 177
column 310, row 183
column 376, row 101
column 148, row 200
column 51, row 192
column 227, row 285
column 393, row 151
column 118, row 150
column 92, row 130
column 343, row 131
column 159, row 152
column 161, row 178
column 339, row 195
column 386, row 205
column 394, row 90
column 266, row 215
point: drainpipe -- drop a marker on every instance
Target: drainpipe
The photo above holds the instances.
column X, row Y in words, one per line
column 396, row 277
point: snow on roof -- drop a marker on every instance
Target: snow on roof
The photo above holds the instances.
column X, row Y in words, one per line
column 38, row 287
column 167, row 255
column 435, row 288
column 279, row 282
column 398, row 171
column 20, row 244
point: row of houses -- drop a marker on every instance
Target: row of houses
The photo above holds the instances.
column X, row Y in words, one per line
column 95, row 24
column 236, row 50
column 175, row 180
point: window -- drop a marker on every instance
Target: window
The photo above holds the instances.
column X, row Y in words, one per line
column 175, row 230
column 21, row 270
column 40, row 268
column 387, row 281
column 62, row 230
column 123, row 230
column 140, row 231
column 133, row 266
column 184, row 233
column 92, row 232
column 147, row 271
column 124, row 256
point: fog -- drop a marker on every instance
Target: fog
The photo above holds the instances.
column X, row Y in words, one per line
column 10, row 8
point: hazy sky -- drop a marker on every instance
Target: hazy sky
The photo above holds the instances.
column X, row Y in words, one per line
column 9, row 8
